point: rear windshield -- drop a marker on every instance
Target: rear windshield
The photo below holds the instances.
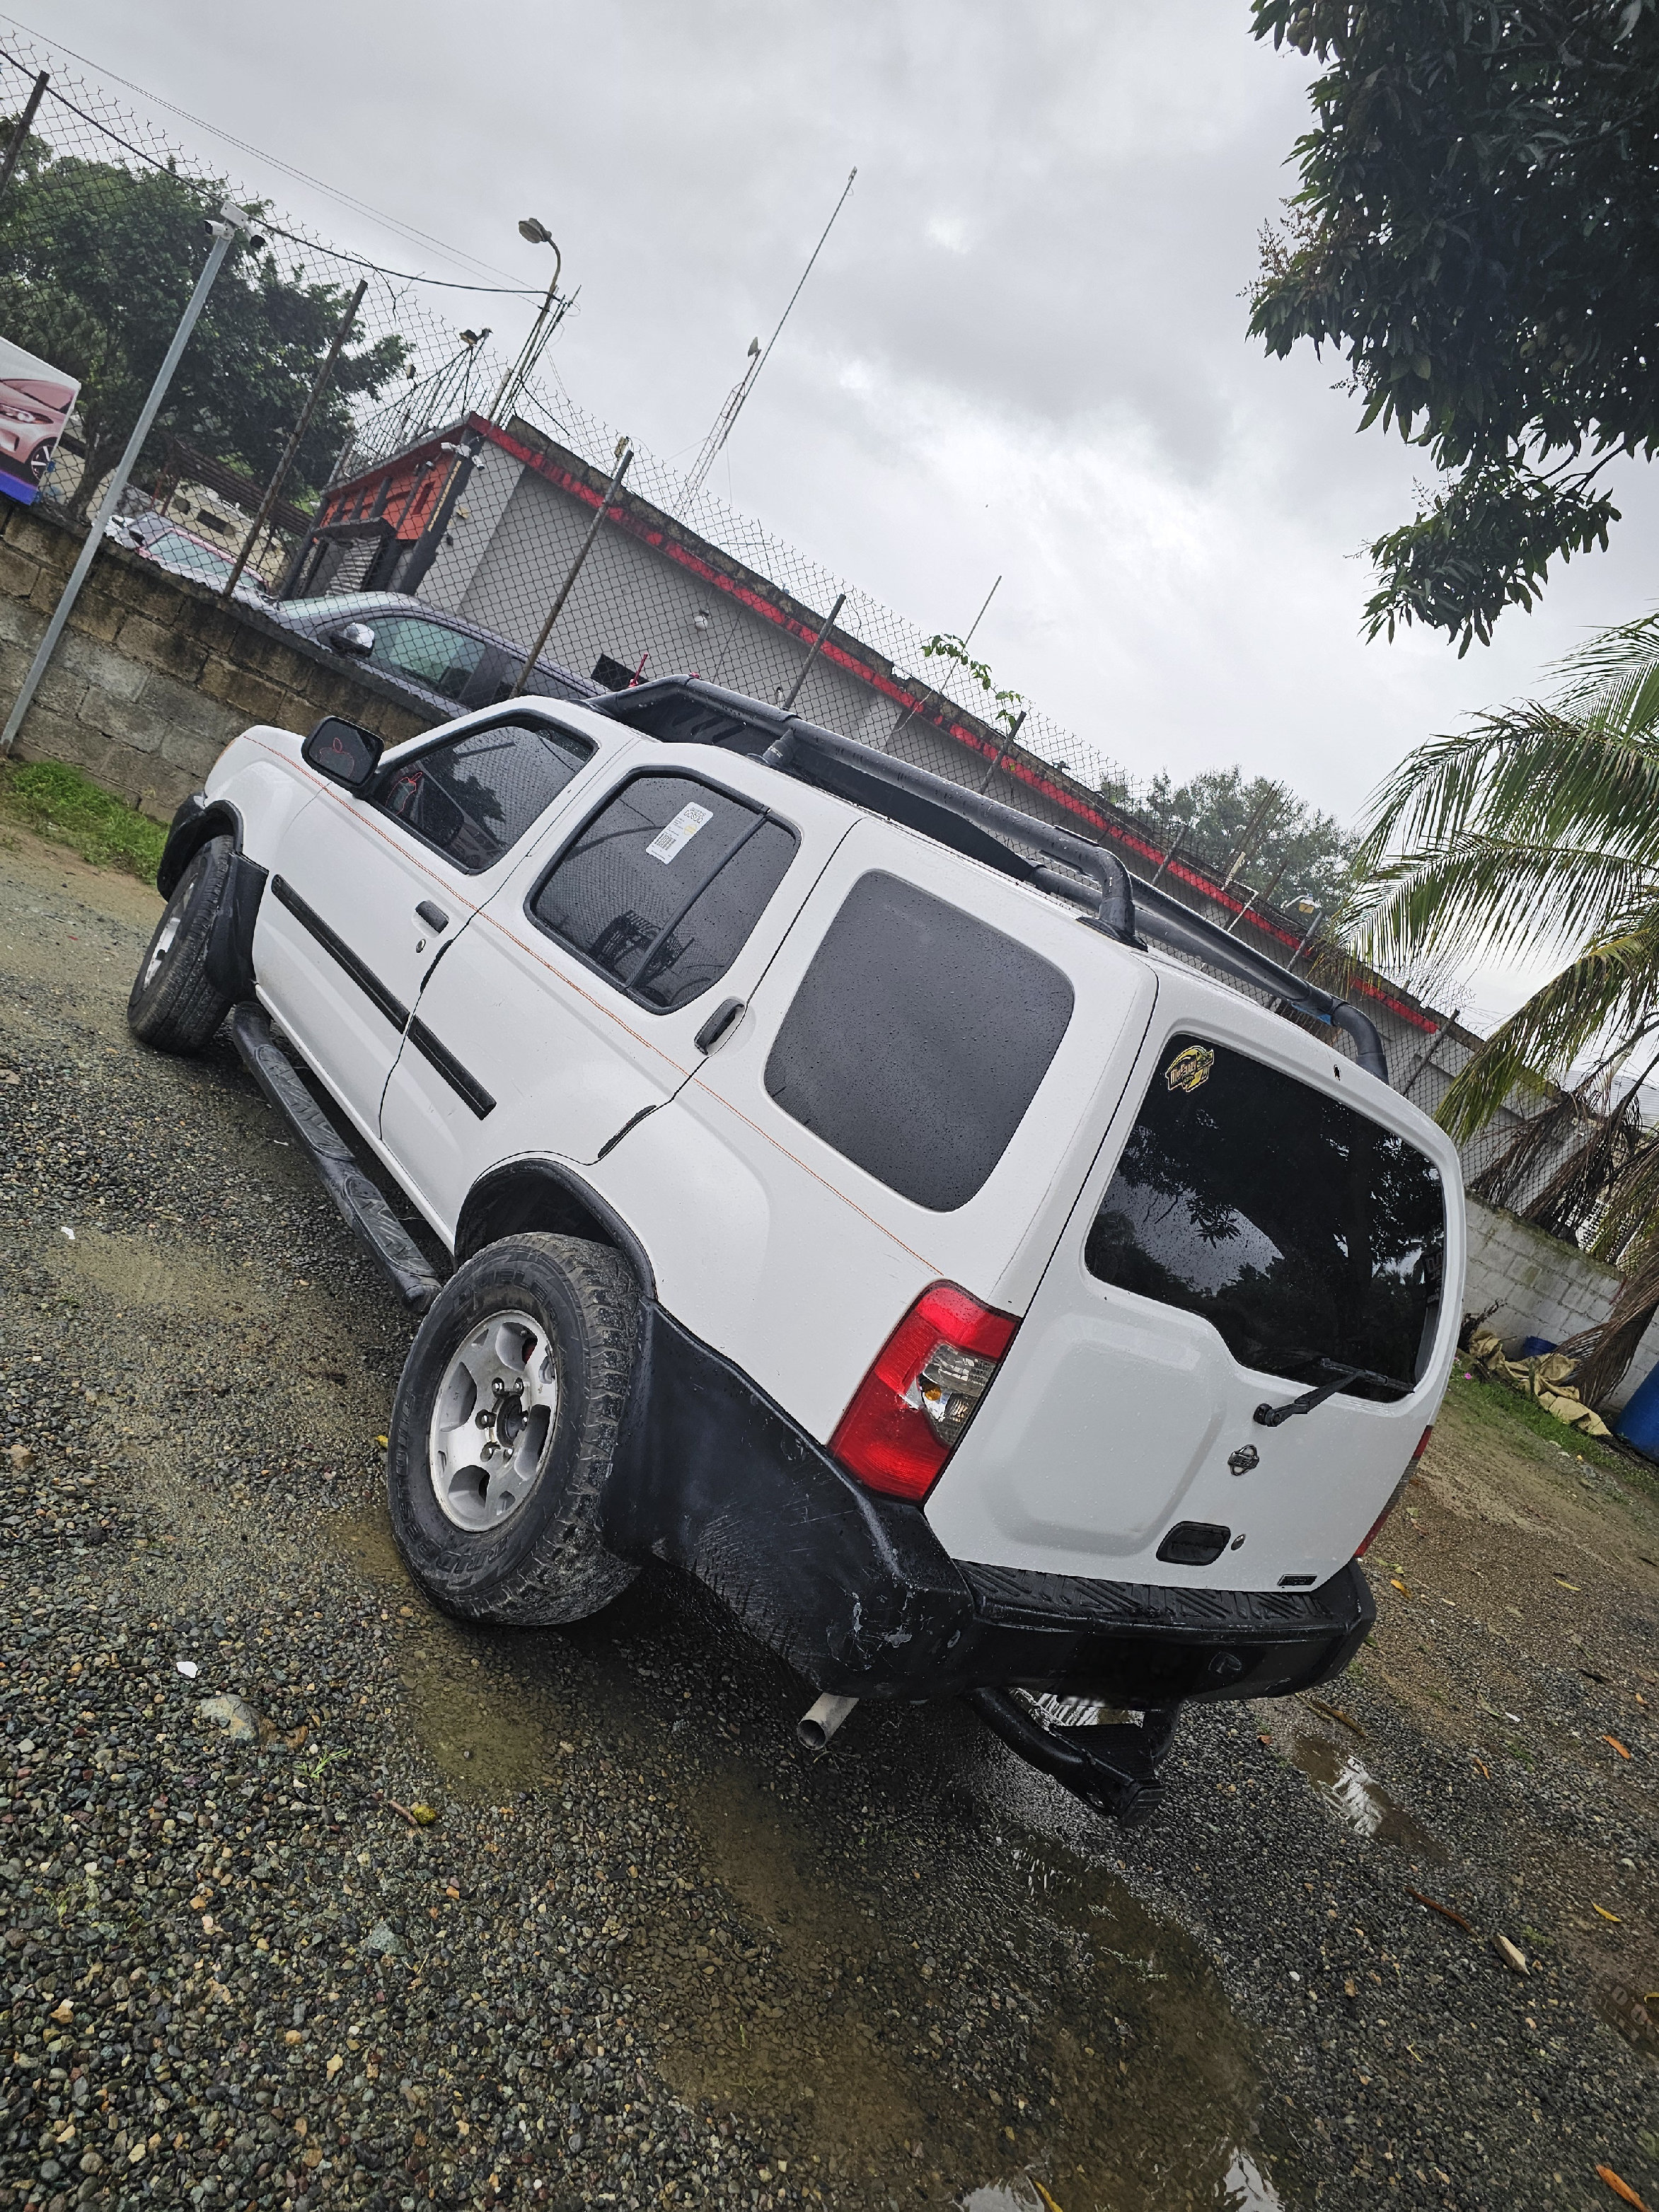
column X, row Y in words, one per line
column 1307, row 1234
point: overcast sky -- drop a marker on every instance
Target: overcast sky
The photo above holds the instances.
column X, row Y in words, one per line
column 1023, row 352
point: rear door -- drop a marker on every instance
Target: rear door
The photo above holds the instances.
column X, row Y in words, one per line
column 1262, row 1216
column 911, row 1095
column 575, row 1006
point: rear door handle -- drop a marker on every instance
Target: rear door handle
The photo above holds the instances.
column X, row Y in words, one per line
column 717, row 1024
column 433, row 916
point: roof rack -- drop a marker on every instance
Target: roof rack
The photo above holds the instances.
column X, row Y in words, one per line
column 686, row 710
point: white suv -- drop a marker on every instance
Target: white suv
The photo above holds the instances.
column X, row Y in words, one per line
column 848, row 1206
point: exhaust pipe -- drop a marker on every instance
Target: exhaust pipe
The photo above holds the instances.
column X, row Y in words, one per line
column 815, row 1727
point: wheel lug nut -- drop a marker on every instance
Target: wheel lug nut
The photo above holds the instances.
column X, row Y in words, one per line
column 498, row 1386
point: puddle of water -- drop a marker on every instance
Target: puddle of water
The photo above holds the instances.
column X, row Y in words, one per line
column 1359, row 1800
column 1015, row 2195
column 487, row 1740
column 782, row 1960
column 1248, row 2188
column 1245, row 2187
column 1630, row 2011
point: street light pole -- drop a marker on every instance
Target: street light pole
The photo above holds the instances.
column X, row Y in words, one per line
column 533, row 234
column 223, row 229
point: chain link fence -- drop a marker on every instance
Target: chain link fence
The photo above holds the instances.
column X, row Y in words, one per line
column 100, row 241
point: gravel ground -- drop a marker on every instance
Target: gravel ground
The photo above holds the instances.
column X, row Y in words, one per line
column 646, row 1951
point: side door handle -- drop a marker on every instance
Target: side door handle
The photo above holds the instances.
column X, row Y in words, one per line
column 433, row 916
column 717, row 1024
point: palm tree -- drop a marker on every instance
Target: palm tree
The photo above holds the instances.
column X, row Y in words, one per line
column 1535, row 831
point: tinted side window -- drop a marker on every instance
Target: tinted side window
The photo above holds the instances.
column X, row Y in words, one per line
column 496, row 677
column 917, row 1040
column 477, row 796
column 663, row 887
column 443, row 659
column 1307, row 1234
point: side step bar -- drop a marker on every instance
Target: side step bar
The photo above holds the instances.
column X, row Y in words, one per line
column 367, row 1213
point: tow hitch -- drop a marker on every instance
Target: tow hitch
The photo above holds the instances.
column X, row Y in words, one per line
column 1112, row 1767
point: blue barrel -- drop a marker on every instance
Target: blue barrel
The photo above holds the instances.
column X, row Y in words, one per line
column 1534, row 1347
column 1638, row 1424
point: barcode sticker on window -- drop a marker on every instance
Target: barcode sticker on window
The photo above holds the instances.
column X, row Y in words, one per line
column 680, row 831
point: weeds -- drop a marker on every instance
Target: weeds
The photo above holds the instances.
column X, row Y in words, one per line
column 60, row 804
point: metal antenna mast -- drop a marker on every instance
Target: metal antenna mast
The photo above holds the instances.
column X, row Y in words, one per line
column 726, row 420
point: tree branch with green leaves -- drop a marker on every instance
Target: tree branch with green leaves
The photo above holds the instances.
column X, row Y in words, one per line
column 1474, row 235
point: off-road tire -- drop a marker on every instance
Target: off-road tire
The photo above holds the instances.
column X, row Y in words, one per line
column 547, row 1563
column 172, row 1005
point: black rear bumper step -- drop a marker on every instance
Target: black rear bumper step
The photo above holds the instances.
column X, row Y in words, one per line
column 361, row 1206
column 1019, row 1597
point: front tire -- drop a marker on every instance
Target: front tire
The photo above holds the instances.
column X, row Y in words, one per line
column 504, row 1429
column 172, row 1005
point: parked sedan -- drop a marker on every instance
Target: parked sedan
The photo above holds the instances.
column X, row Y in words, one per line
column 440, row 659
column 182, row 553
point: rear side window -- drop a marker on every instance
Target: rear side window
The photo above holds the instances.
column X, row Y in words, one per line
column 661, row 890
column 917, row 1040
column 1307, row 1234
column 474, row 798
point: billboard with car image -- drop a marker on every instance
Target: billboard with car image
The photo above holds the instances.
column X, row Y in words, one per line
column 36, row 401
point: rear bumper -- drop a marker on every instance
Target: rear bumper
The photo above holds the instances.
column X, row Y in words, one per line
column 857, row 1593
column 1138, row 1644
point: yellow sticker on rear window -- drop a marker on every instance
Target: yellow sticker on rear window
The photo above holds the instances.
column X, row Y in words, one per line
column 1190, row 1070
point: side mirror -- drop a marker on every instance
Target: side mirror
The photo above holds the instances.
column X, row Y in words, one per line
column 354, row 638
column 343, row 752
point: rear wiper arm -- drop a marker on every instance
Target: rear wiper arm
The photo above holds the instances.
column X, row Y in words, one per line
column 1271, row 1417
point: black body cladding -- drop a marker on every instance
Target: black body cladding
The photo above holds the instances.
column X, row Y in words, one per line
column 857, row 1593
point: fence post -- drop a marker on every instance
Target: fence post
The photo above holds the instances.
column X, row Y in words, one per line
column 20, row 138
column 293, row 446
column 223, row 229
column 812, row 652
column 574, row 569
column 1014, row 729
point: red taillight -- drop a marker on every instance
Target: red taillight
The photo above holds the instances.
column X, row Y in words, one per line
column 910, row 1408
column 1399, row 1491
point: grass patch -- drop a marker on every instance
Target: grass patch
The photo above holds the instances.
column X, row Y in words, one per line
column 1493, row 1406
column 60, row 804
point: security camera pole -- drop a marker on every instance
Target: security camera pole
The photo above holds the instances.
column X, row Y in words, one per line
column 222, row 229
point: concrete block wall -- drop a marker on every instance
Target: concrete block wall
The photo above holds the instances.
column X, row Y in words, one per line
column 153, row 676
column 1529, row 1284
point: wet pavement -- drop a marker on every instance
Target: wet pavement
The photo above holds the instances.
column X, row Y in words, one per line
column 649, row 1950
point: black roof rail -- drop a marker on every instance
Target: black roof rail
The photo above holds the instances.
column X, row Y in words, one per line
column 687, row 710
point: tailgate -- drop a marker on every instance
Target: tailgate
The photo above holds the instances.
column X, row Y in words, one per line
column 1261, row 1216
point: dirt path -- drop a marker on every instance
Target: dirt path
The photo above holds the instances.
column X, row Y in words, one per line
column 648, row 1951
